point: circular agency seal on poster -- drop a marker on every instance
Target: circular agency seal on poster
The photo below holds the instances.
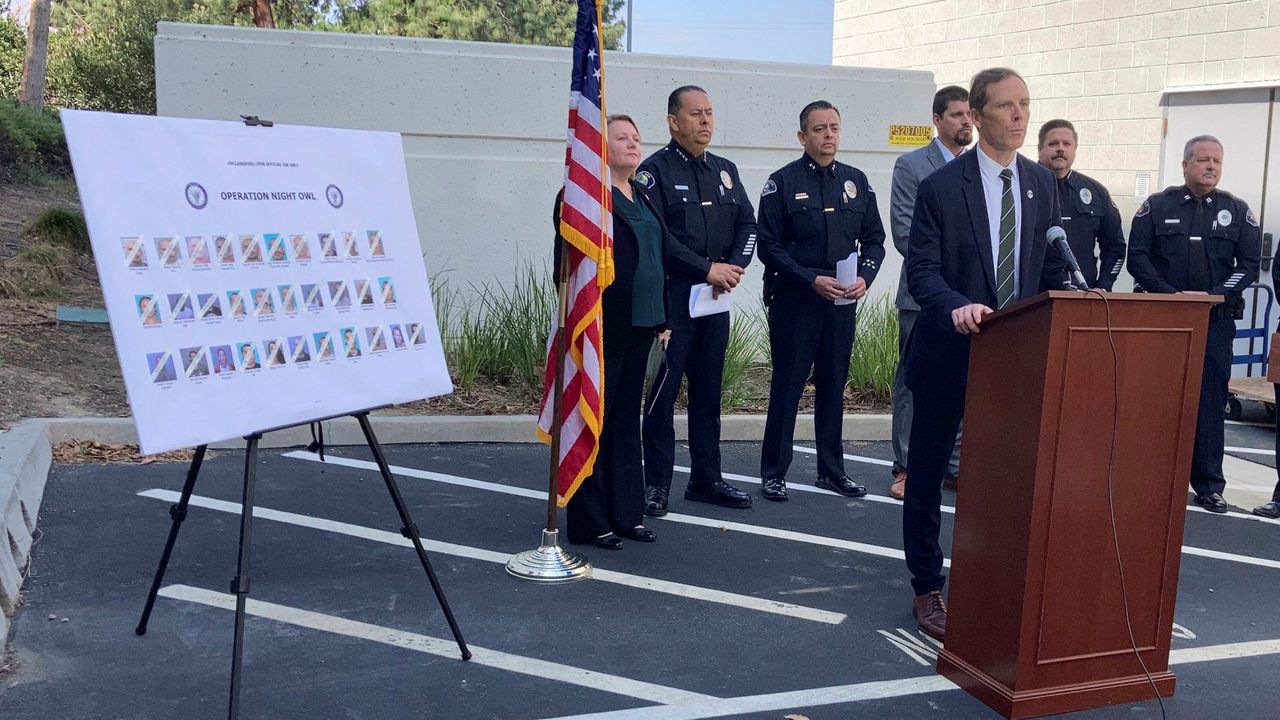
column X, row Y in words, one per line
column 196, row 195
column 334, row 195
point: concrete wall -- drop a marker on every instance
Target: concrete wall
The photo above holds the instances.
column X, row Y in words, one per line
column 1103, row 64
column 484, row 124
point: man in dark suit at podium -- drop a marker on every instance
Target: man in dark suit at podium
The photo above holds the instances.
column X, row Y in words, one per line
column 977, row 244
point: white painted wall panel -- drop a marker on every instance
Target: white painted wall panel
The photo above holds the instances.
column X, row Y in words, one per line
column 484, row 124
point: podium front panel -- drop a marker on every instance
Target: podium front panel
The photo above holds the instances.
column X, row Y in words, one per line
column 1082, row 608
column 1037, row 622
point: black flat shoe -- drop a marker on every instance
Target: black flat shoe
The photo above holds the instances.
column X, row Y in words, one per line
column 842, row 485
column 655, row 502
column 608, row 542
column 1270, row 510
column 640, row 534
column 774, row 488
column 718, row 493
column 1212, row 502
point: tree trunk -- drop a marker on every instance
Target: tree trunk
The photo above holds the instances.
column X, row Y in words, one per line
column 262, row 16
column 36, row 65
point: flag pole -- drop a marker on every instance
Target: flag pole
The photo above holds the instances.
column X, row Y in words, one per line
column 550, row 563
column 557, row 400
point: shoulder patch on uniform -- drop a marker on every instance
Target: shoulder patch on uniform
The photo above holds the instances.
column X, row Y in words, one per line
column 645, row 178
column 770, row 187
column 1146, row 208
column 1249, row 218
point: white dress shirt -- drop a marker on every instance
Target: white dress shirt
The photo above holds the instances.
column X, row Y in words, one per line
column 947, row 155
column 992, row 190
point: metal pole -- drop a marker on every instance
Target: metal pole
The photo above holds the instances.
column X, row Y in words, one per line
column 240, row 583
column 549, row 562
column 178, row 513
column 629, row 23
column 409, row 529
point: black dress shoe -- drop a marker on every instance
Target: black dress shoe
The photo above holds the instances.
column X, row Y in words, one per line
column 608, row 542
column 655, row 502
column 774, row 488
column 1270, row 510
column 842, row 485
column 1212, row 502
column 639, row 534
column 718, row 493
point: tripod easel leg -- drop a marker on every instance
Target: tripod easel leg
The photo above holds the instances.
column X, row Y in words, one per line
column 410, row 530
column 240, row 583
column 178, row 513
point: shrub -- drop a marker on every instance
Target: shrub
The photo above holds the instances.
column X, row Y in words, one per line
column 13, row 48
column 875, row 351
column 62, row 226
column 31, row 144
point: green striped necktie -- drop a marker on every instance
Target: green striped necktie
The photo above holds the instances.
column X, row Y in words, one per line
column 1004, row 269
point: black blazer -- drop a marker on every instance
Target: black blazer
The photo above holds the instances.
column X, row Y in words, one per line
column 949, row 261
column 616, row 302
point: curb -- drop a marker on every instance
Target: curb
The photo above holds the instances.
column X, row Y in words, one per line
column 398, row 429
column 26, row 455
column 25, row 459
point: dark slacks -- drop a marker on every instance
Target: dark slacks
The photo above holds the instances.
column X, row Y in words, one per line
column 903, row 409
column 937, row 373
column 807, row 333
column 612, row 497
column 696, row 351
column 1206, row 457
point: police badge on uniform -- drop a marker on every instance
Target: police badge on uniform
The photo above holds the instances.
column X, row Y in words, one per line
column 851, row 189
column 644, row 178
column 770, row 187
column 1086, row 196
column 1224, row 217
column 1146, row 208
column 1249, row 218
column 726, row 180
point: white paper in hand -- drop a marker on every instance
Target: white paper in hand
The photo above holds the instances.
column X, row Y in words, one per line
column 847, row 275
column 702, row 301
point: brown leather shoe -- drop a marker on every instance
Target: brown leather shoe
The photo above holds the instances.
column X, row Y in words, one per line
column 898, row 488
column 931, row 614
column 950, row 482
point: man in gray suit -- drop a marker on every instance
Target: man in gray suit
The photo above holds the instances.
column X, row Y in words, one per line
column 955, row 132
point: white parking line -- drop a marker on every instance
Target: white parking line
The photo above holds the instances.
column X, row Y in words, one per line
column 436, row 646
column 760, row 530
column 847, row 456
column 695, row 592
column 802, row 487
column 951, row 510
column 672, row 517
column 834, row 695
column 1250, row 451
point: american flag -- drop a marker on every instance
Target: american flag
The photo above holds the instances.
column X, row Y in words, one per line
column 586, row 224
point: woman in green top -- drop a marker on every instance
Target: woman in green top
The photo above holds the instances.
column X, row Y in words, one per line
column 610, row 503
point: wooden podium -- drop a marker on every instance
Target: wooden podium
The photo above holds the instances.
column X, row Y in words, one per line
column 1037, row 618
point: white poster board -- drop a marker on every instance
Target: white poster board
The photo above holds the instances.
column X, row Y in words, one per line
column 255, row 277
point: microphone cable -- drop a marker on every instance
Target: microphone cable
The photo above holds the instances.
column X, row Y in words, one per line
column 1111, row 502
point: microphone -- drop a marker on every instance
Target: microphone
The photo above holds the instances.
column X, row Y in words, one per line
column 1058, row 238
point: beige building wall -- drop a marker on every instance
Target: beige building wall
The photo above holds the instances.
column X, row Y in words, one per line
column 1103, row 64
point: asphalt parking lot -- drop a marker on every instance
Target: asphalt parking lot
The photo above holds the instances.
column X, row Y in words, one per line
column 802, row 607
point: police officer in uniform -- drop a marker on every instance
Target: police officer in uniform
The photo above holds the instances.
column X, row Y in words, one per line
column 1089, row 216
column 814, row 213
column 1199, row 240
column 707, row 210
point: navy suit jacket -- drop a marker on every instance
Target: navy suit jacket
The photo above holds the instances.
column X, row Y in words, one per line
column 949, row 262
